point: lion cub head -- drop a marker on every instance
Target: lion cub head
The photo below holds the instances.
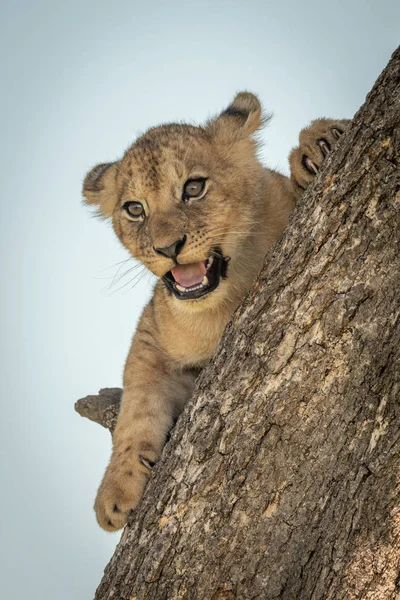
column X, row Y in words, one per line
column 183, row 200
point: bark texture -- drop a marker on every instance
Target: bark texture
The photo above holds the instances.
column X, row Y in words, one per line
column 281, row 479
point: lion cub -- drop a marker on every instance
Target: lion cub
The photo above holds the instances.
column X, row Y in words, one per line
column 196, row 207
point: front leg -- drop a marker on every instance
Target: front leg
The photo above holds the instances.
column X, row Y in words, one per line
column 154, row 395
column 315, row 142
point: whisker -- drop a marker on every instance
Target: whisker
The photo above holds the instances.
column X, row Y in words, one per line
column 230, row 230
column 145, row 273
column 135, row 278
column 116, row 264
column 125, row 175
column 122, row 171
column 118, row 279
column 223, row 235
column 240, row 231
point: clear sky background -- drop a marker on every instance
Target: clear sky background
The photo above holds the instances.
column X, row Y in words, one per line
column 79, row 81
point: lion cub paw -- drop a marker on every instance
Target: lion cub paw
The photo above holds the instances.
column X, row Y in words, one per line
column 120, row 492
column 315, row 143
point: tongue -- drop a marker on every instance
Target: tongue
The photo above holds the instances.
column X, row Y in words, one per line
column 189, row 275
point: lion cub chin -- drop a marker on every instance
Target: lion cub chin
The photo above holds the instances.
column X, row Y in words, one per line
column 197, row 208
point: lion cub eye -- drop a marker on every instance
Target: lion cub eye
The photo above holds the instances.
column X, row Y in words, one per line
column 193, row 188
column 134, row 209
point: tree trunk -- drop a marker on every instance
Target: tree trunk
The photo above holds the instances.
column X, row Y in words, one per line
column 281, row 479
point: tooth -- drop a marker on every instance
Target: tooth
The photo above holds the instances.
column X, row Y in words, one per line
column 210, row 261
column 205, row 280
column 180, row 288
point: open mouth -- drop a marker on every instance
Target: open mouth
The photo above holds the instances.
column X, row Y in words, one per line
column 188, row 282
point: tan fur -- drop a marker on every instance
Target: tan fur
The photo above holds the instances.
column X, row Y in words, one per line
column 243, row 211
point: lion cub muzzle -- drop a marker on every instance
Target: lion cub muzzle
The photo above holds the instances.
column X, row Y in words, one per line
column 173, row 250
column 194, row 280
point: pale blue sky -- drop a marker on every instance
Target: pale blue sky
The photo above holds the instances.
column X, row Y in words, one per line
column 79, row 81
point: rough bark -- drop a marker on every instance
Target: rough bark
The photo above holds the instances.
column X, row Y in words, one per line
column 102, row 408
column 281, row 478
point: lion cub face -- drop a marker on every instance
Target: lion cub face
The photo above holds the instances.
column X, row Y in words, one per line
column 183, row 200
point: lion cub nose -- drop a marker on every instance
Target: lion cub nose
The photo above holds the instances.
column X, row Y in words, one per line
column 173, row 250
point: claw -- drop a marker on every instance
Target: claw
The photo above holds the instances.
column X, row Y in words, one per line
column 336, row 132
column 149, row 464
column 309, row 165
column 325, row 146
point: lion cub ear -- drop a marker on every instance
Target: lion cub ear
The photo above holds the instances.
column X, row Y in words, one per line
column 240, row 120
column 99, row 187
